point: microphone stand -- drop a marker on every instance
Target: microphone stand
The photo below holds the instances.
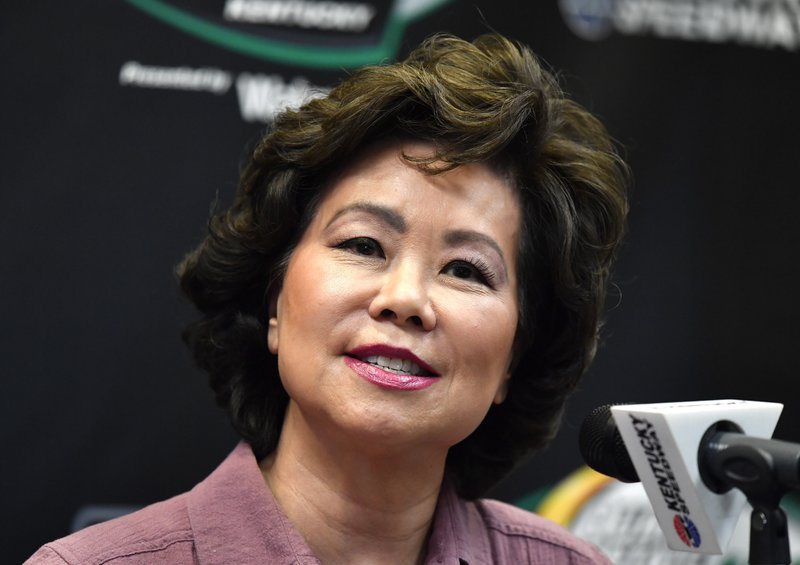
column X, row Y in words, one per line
column 769, row 536
column 764, row 470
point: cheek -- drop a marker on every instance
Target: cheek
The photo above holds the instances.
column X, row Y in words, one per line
column 486, row 342
column 498, row 324
column 307, row 285
column 318, row 301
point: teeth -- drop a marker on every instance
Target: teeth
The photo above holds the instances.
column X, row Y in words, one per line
column 403, row 366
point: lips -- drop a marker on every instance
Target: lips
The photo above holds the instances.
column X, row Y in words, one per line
column 391, row 367
column 393, row 359
column 394, row 364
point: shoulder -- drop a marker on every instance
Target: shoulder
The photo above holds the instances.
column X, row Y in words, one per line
column 158, row 533
column 513, row 530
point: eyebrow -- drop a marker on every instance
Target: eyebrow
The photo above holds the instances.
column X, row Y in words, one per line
column 383, row 213
column 455, row 237
column 396, row 222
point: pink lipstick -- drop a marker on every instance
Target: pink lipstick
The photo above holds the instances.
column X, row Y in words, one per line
column 391, row 368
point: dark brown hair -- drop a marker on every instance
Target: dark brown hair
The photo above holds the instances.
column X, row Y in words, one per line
column 488, row 101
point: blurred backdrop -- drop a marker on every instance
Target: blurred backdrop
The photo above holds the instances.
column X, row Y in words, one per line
column 123, row 121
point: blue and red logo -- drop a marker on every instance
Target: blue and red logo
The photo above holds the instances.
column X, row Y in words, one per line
column 686, row 530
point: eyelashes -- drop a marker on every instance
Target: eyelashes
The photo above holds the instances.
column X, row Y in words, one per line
column 365, row 246
column 473, row 269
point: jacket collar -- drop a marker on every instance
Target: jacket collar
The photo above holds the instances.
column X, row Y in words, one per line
column 235, row 519
column 458, row 535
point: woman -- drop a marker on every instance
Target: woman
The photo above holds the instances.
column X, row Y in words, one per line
column 404, row 292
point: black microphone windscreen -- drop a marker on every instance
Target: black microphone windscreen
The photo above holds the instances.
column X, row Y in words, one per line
column 602, row 447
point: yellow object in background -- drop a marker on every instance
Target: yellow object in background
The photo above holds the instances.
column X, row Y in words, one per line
column 568, row 497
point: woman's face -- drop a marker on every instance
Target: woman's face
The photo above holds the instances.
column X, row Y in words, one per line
column 396, row 318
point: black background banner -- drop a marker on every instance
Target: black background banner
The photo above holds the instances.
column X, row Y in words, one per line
column 121, row 128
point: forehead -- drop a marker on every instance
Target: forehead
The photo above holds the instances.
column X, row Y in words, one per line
column 473, row 196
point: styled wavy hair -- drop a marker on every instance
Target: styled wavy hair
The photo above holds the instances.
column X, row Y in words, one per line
column 489, row 101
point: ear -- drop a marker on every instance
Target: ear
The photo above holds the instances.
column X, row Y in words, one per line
column 272, row 335
column 272, row 326
column 502, row 389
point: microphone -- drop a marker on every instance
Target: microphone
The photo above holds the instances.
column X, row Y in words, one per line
column 689, row 456
column 602, row 447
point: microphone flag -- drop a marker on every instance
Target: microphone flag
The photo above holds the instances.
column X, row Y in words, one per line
column 663, row 439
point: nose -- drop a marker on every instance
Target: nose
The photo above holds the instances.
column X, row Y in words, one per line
column 404, row 298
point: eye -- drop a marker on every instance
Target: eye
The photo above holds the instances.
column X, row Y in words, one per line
column 365, row 246
column 475, row 270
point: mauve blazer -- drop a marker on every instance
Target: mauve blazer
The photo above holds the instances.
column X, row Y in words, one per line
column 231, row 518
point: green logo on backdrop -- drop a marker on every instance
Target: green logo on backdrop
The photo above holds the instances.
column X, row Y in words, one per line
column 299, row 51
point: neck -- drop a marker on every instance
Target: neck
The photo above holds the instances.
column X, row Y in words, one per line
column 351, row 504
